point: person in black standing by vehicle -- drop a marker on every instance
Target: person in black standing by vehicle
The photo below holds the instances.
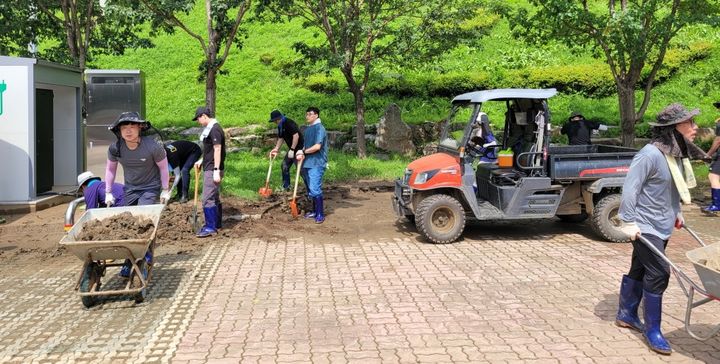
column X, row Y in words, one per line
column 578, row 129
column 290, row 133
column 182, row 155
column 213, row 163
column 714, row 175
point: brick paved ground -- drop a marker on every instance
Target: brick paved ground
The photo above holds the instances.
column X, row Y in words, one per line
column 537, row 292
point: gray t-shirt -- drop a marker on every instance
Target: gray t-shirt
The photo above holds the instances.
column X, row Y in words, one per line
column 649, row 196
column 139, row 165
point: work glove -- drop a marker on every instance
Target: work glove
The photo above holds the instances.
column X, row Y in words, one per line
column 291, row 154
column 273, row 153
column 679, row 221
column 109, row 200
column 300, row 155
column 630, row 229
column 216, row 176
column 164, row 196
column 198, row 164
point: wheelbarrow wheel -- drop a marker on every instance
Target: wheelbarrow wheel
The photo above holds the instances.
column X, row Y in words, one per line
column 90, row 276
column 144, row 268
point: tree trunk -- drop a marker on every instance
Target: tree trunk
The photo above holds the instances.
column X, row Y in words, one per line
column 360, row 122
column 626, row 98
column 210, row 87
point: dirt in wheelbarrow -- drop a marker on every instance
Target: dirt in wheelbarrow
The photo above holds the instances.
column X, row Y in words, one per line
column 124, row 226
column 355, row 210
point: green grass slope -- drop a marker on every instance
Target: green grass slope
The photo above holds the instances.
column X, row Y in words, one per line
column 255, row 85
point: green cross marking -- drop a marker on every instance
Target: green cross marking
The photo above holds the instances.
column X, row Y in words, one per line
column 3, row 87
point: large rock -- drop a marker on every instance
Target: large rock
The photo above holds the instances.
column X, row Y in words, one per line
column 393, row 134
column 336, row 139
column 244, row 130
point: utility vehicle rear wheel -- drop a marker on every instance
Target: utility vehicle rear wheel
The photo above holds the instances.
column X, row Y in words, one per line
column 440, row 218
column 605, row 220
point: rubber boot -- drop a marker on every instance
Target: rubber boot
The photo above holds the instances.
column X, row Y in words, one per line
column 715, row 205
column 218, row 222
column 125, row 269
column 311, row 214
column 653, row 319
column 319, row 210
column 209, row 228
column 631, row 292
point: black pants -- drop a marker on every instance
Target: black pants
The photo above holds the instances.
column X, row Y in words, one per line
column 647, row 267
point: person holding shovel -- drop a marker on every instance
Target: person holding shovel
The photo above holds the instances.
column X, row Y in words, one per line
column 656, row 184
column 213, row 165
column 315, row 158
column 182, row 155
column 288, row 131
column 714, row 175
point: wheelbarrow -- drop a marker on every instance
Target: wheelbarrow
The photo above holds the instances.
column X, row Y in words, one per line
column 98, row 255
column 709, row 277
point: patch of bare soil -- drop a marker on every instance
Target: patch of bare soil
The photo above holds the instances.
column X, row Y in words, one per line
column 124, row 226
column 359, row 210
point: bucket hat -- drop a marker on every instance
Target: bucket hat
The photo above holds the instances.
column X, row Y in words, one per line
column 674, row 114
column 84, row 178
column 129, row 117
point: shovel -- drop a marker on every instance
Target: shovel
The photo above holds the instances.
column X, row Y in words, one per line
column 293, row 205
column 195, row 202
column 267, row 191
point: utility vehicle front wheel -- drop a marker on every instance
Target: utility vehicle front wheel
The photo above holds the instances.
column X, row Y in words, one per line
column 440, row 218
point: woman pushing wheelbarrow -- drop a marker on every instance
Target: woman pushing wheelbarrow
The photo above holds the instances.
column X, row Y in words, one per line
column 656, row 184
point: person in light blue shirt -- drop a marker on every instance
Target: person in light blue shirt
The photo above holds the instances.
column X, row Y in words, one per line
column 315, row 158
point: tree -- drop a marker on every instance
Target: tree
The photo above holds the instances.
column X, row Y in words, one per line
column 358, row 34
column 70, row 31
column 632, row 36
column 222, row 32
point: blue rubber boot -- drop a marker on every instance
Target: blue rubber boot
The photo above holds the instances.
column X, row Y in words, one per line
column 218, row 222
column 209, row 228
column 653, row 319
column 311, row 214
column 125, row 269
column 319, row 210
column 631, row 292
column 715, row 205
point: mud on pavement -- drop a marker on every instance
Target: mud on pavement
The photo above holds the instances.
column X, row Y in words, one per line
column 353, row 211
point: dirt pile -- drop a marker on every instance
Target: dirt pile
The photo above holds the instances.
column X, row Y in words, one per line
column 124, row 226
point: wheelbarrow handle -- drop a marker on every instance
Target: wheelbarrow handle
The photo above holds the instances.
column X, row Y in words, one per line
column 694, row 235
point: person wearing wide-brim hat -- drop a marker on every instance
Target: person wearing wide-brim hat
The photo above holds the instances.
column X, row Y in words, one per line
column 93, row 190
column 578, row 129
column 288, row 131
column 656, row 185
column 714, row 175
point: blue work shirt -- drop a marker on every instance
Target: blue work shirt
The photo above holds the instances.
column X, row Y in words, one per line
column 315, row 134
column 94, row 194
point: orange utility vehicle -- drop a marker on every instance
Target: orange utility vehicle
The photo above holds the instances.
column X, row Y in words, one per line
column 440, row 192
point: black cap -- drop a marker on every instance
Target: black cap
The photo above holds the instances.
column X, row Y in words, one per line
column 574, row 114
column 202, row 110
column 275, row 114
column 717, row 104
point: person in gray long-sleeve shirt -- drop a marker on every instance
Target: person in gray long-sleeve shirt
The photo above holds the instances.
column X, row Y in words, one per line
column 654, row 187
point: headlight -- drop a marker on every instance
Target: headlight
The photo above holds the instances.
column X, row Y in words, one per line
column 423, row 177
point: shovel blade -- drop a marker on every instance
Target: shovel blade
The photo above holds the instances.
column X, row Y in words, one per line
column 195, row 220
column 294, row 209
column 265, row 192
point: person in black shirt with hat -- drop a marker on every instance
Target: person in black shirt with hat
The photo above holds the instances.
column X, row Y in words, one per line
column 213, row 165
column 578, row 129
column 182, row 155
column 289, row 132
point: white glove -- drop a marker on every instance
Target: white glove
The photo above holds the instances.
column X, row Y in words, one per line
column 291, row 154
column 164, row 196
column 630, row 229
column 198, row 164
column 109, row 199
column 273, row 153
column 300, row 155
column 216, row 176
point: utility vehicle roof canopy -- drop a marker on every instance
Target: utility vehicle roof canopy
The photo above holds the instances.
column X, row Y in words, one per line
column 504, row 94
